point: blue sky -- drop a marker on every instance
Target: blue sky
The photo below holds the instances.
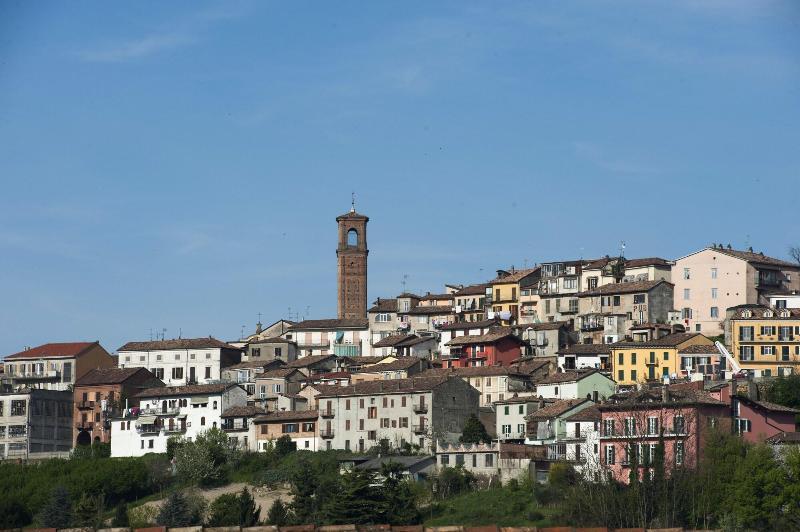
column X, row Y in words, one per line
column 179, row 165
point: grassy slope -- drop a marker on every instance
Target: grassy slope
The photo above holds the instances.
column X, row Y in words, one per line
column 496, row 506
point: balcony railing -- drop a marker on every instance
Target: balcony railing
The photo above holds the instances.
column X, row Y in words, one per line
column 420, row 408
column 327, row 413
column 85, row 405
column 326, row 434
column 39, row 375
column 420, row 429
column 84, row 425
column 346, row 350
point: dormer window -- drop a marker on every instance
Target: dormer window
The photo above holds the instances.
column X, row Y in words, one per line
column 747, row 314
column 768, row 314
column 785, row 313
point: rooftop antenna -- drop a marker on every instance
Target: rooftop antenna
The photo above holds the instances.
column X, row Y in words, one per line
column 163, row 333
column 747, row 242
column 622, row 248
column 403, row 282
column 308, row 311
column 241, row 336
column 180, row 332
column 525, row 264
column 352, row 202
column 151, row 334
column 259, row 317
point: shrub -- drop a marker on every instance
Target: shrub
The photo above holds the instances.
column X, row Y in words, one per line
column 57, row 512
column 278, row 514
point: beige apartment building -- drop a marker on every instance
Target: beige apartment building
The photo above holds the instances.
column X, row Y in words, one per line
column 54, row 366
column 711, row 280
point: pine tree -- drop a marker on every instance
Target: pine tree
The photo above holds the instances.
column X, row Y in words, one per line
column 474, row 431
column 121, row 516
column 87, row 511
column 57, row 511
column 358, row 500
column 401, row 505
column 175, row 511
column 278, row 514
column 303, row 505
column 249, row 514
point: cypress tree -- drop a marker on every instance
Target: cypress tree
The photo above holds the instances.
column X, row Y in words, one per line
column 57, row 511
column 249, row 514
column 278, row 514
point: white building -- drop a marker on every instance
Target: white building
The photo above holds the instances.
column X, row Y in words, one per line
column 582, row 442
column 417, row 411
column 789, row 299
column 340, row 337
column 182, row 361
column 585, row 356
column 590, row 384
column 183, row 411
column 510, row 414
column 503, row 460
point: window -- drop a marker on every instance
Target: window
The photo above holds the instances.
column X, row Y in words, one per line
column 767, row 349
column 633, row 358
column 18, row 408
column 521, row 409
column 687, row 273
column 630, row 426
column 158, row 372
column 678, row 425
column 372, row 412
column 214, row 405
column 202, row 421
column 686, row 313
column 687, row 293
column 177, row 373
column 713, row 293
column 444, row 459
column 713, row 273
column 638, row 299
column 278, row 352
column 620, row 375
column 609, row 427
column 489, row 460
column 289, row 428
column 621, row 358
column 679, row 453
column 742, row 425
column 767, row 330
column 616, row 301
column 715, row 312
column 746, row 334
column 372, row 435
column 746, row 353
column 506, row 429
column 570, row 282
column 785, row 334
column 652, row 425
column 785, row 353
column 506, row 409
column 609, row 455
column 208, row 372
column 633, row 375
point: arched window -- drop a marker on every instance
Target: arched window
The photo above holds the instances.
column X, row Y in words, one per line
column 202, row 421
column 215, row 405
column 214, row 424
column 129, row 425
column 352, row 238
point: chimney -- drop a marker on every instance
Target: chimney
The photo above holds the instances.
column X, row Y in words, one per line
column 665, row 394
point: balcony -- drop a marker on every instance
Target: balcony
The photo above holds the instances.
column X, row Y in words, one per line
column 346, row 350
column 85, row 405
column 326, row 434
column 48, row 375
column 327, row 413
column 592, row 326
column 420, row 408
column 84, row 425
column 420, row 429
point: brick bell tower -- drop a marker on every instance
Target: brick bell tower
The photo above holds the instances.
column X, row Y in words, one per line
column 351, row 255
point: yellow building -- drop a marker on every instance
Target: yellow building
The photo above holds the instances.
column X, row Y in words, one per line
column 764, row 340
column 502, row 296
column 636, row 362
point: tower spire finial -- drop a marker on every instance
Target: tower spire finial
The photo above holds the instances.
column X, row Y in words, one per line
column 352, row 202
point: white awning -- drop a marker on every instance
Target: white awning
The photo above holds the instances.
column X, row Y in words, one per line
column 199, row 400
column 146, row 420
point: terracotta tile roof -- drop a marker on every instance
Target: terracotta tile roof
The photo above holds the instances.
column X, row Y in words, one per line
column 629, row 263
column 433, row 309
column 566, row 376
column 110, row 376
column 784, row 437
column 670, row 340
column 178, row 343
column 388, row 386
column 55, row 350
column 362, row 360
column 465, row 325
column 544, row 326
column 591, row 413
column 408, row 294
column 304, row 362
column 756, row 258
column 480, row 371
column 394, row 340
column 622, row 288
column 384, row 305
column 280, row 373
column 517, row 400
column 287, row 415
column 273, row 340
column 494, row 335
column 530, row 366
column 399, row 364
column 556, row 409
column 356, row 323
column 699, row 350
column 585, row 349
column 514, row 277
column 433, row 297
column 473, row 290
column 648, row 325
column 190, row 389
column 330, row 376
column 648, row 399
column 774, row 407
column 257, row 364
column 243, row 411
column 757, row 313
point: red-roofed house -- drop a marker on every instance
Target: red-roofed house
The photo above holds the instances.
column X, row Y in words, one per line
column 498, row 347
column 55, row 366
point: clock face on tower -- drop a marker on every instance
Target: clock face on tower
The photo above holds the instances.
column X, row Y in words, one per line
column 351, row 255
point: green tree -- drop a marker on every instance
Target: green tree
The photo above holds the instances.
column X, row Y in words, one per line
column 249, row 513
column 304, row 503
column 224, row 511
column 278, row 514
column 205, row 461
column 785, row 390
column 121, row 519
column 474, row 431
column 176, row 510
column 400, row 501
column 757, row 494
column 357, row 501
column 285, row 446
column 13, row 513
column 89, row 511
column 57, row 512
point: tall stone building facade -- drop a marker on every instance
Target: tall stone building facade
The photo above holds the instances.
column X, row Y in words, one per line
column 351, row 255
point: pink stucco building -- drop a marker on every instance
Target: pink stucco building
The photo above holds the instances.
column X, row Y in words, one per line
column 632, row 425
